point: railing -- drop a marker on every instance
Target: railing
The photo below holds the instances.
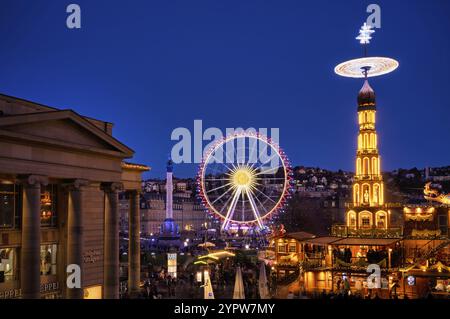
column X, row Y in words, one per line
column 313, row 261
column 385, row 205
column 345, row 231
column 310, row 264
column 364, row 177
column 289, row 278
column 358, row 262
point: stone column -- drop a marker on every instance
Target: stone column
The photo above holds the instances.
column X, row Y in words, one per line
column 134, row 244
column 75, row 232
column 30, row 273
column 111, row 244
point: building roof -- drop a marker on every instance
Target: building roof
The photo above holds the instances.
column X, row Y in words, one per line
column 366, row 96
column 33, row 107
column 326, row 240
column 135, row 166
column 353, row 241
column 301, row 235
column 117, row 147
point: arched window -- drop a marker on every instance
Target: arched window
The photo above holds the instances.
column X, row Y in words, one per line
column 381, row 219
column 372, row 140
column 365, row 194
column 376, row 193
column 366, row 166
column 351, row 219
column 358, row 166
column 356, row 194
column 374, row 166
column 366, row 140
column 365, row 219
column 360, row 142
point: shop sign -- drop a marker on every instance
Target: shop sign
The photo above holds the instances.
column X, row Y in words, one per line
column 17, row 292
column 91, row 256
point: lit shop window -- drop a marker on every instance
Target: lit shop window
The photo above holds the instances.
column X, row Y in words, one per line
column 7, row 267
column 9, row 205
column 365, row 222
column 48, row 259
column 281, row 248
column 292, row 248
column 48, row 206
column 94, row 292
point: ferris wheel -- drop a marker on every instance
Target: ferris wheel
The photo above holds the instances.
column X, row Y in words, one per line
column 244, row 181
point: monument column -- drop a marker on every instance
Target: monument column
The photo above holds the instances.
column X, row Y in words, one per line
column 75, row 232
column 134, row 244
column 30, row 273
column 111, row 244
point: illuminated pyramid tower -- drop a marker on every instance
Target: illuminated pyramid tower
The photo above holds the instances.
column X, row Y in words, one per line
column 367, row 208
column 368, row 190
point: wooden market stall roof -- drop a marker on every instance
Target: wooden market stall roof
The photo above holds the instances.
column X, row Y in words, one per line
column 326, row 240
column 301, row 235
column 353, row 241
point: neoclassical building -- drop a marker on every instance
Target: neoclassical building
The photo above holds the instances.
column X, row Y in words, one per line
column 60, row 176
column 367, row 209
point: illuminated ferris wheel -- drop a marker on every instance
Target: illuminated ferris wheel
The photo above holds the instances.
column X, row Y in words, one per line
column 244, row 180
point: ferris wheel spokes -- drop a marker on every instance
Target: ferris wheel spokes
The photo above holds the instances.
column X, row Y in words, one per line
column 219, row 187
column 265, row 196
column 269, row 170
column 260, row 204
column 230, row 189
column 230, row 212
column 254, row 208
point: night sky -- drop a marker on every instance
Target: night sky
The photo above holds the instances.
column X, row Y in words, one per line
column 152, row 66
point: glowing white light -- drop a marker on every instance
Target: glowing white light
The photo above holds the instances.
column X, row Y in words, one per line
column 364, row 34
column 377, row 66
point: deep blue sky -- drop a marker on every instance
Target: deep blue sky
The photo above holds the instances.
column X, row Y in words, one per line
column 152, row 66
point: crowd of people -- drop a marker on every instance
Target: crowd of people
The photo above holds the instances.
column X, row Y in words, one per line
column 161, row 285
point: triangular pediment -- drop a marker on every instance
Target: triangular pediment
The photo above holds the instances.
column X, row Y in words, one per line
column 64, row 128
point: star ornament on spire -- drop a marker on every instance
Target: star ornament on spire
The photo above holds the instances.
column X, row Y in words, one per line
column 365, row 32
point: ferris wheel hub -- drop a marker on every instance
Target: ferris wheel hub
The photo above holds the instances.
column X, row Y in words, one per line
column 243, row 177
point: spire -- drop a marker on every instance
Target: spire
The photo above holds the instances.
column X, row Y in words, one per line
column 366, row 96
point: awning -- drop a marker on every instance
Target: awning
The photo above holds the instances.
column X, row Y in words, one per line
column 327, row 240
column 367, row 241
